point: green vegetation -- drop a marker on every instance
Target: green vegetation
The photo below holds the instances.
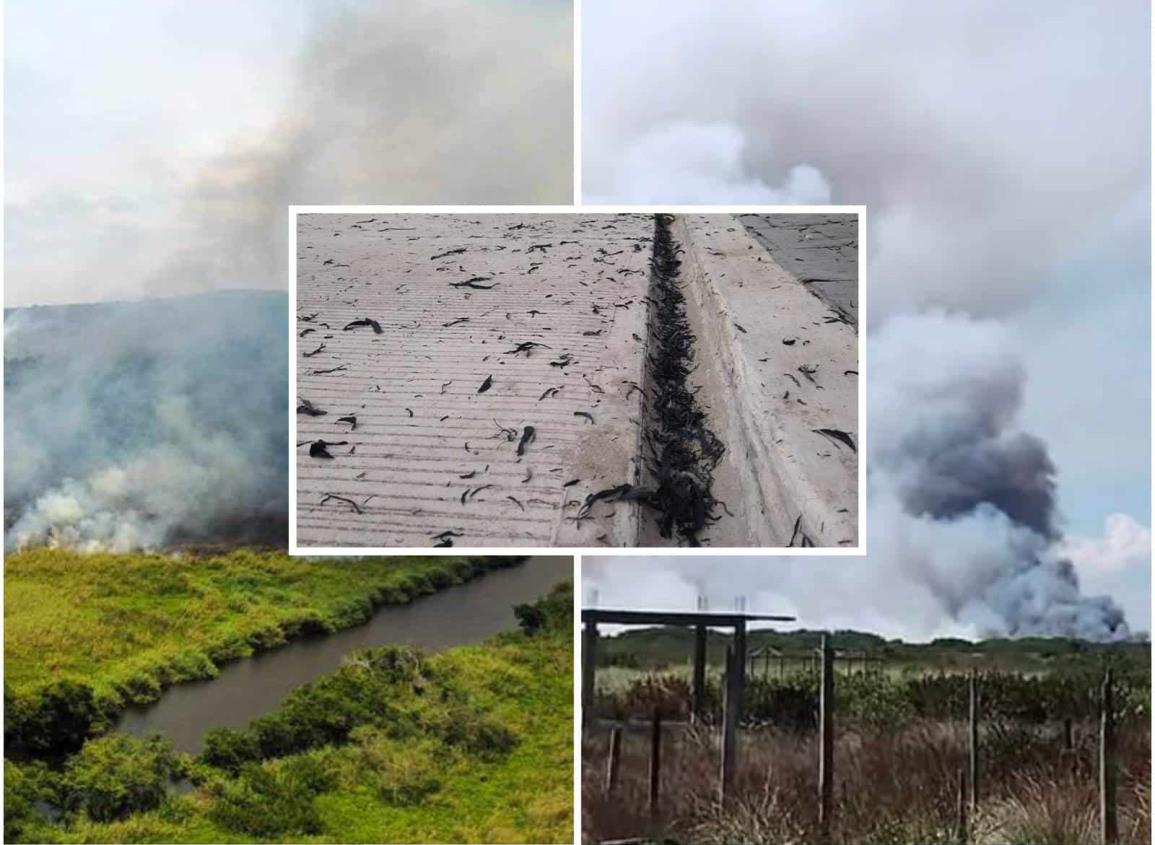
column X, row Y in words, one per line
column 659, row 648
column 470, row 745
column 88, row 634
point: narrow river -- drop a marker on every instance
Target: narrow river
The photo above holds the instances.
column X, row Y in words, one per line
column 255, row 685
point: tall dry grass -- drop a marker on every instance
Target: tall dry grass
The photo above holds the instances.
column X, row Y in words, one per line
column 891, row 786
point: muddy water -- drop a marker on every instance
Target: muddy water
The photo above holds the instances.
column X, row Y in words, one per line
column 248, row 688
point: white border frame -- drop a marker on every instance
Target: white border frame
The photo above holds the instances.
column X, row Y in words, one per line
column 577, row 551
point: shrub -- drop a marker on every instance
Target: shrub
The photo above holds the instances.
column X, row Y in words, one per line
column 474, row 732
column 54, row 723
column 273, row 799
column 553, row 611
column 116, row 775
column 403, row 773
column 229, row 749
column 25, row 786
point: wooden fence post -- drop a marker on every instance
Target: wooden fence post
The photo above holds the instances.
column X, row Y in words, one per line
column 962, row 806
column 1109, row 833
column 825, row 739
column 699, row 705
column 655, row 760
column 589, row 667
column 614, row 763
column 973, row 761
column 729, row 728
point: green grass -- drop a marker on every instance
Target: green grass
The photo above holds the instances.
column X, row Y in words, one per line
column 125, row 626
column 470, row 745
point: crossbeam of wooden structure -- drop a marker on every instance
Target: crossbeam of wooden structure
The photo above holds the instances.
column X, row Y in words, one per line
column 735, row 680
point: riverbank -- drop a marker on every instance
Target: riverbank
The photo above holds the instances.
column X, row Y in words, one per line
column 470, row 745
column 87, row 635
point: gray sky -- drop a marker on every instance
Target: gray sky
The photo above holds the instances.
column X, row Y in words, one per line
column 153, row 144
column 1003, row 152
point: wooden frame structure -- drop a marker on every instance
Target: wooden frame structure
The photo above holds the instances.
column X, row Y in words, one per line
column 736, row 659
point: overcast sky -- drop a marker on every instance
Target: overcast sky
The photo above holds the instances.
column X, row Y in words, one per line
column 152, row 145
column 1003, row 152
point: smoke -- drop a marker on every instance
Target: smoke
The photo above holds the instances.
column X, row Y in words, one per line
column 697, row 163
column 963, row 535
column 961, row 501
column 444, row 101
column 147, row 424
column 978, row 136
column 143, row 425
column 977, row 133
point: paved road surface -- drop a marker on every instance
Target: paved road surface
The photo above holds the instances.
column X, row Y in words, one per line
column 821, row 250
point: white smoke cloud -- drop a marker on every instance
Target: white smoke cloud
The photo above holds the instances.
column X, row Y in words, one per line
column 697, row 163
column 978, row 133
column 1125, row 543
column 139, row 425
column 177, row 180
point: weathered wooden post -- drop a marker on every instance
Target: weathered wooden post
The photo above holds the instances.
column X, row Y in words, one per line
column 825, row 739
column 962, row 806
column 740, row 679
column 614, row 762
column 655, row 760
column 973, row 761
column 699, row 684
column 1108, row 816
column 729, row 728
column 589, row 667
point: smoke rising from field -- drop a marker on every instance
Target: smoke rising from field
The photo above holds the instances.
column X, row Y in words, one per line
column 142, row 425
column 962, row 528
column 961, row 126
column 147, row 424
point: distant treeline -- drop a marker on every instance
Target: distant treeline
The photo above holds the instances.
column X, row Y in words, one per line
column 654, row 648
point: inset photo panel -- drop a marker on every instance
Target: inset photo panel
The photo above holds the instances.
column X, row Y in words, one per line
column 577, row 378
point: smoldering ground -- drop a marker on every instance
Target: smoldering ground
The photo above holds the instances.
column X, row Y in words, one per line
column 147, row 424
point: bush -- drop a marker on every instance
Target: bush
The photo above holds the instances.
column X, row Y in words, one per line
column 116, row 775
column 54, row 723
column 25, row 786
column 230, row 750
column 553, row 612
column 273, row 799
column 403, row 773
column 476, row 733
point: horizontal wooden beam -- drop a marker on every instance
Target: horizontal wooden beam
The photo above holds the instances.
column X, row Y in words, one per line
column 660, row 617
